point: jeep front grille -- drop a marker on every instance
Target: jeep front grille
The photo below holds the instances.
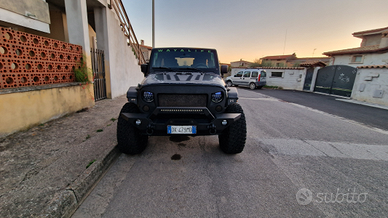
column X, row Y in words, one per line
column 174, row 100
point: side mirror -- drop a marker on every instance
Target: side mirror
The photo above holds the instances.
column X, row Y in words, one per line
column 144, row 69
column 224, row 69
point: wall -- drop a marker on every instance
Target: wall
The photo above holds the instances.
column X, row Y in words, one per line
column 33, row 14
column 371, row 85
column 293, row 78
column 22, row 110
column 371, row 40
column 124, row 70
column 369, row 59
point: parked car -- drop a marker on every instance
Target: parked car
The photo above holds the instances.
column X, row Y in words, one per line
column 182, row 93
column 253, row 78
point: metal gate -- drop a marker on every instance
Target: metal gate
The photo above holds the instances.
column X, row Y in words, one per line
column 336, row 79
column 98, row 68
column 308, row 79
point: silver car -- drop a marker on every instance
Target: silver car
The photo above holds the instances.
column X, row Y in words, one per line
column 253, row 78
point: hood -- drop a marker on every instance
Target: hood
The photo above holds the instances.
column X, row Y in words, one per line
column 202, row 78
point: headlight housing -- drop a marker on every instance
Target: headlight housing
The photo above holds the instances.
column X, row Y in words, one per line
column 148, row 96
column 217, row 97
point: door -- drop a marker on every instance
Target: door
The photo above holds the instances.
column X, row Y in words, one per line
column 98, row 68
column 246, row 78
column 308, row 79
column 236, row 79
column 336, row 79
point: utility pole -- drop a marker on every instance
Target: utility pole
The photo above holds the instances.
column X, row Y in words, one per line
column 153, row 23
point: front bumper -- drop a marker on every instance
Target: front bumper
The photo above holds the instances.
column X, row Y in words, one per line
column 156, row 124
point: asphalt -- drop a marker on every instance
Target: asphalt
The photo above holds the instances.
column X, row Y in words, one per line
column 48, row 170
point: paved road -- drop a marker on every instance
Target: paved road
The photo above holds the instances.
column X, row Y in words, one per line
column 371, row 116
column 298, row 162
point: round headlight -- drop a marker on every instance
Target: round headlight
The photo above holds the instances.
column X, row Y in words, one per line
column 148, row 97
column 217, row 97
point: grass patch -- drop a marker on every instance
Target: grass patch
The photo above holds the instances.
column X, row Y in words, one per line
column 90, row 163
column 99, row 130
column 113, row 119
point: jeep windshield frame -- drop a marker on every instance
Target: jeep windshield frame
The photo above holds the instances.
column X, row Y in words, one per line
column 183, row 60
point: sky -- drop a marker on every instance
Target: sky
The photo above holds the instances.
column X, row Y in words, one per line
column 252, row 29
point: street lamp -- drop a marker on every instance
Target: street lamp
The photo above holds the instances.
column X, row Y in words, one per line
column 153, row 23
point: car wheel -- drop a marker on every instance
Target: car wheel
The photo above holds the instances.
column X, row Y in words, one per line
column 129, row 139
column 229, row 83
column 232, row 139
column 252, row 86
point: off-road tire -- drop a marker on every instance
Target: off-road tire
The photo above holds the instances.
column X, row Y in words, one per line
column 232, row 139
column 252, row 86
column 129, row 139
column 229, row 83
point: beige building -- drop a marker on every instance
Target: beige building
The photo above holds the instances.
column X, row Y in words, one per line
column 240, row 63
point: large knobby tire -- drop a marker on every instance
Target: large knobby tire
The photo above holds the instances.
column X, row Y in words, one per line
column 129, row 139
column 232, row 139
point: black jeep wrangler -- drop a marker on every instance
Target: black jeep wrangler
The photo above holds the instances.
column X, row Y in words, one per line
column 182, row 93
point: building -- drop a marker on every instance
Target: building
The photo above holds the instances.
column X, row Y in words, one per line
column 291, row 60
column 240, row 63
column 44, row 43
column 372, row 51
column 279, row 60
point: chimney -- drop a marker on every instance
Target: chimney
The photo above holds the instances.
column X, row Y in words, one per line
column 142, row 42
column 384, row 40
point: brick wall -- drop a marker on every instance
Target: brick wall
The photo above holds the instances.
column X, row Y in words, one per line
column 31, row 60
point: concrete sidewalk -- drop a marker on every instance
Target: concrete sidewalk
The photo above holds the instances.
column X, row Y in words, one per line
column 47, row 170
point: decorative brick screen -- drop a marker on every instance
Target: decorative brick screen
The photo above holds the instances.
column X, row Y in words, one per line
column 31, row 60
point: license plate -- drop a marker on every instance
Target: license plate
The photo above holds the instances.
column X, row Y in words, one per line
column 181, row 130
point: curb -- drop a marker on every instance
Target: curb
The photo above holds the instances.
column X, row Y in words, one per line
column 66, row 202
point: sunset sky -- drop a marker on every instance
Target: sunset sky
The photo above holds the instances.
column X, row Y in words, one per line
column 251, row 29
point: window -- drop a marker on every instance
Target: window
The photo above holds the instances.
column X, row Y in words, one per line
column 263, row 74
column 239, row 74
column 255, row 74
column 247, row 73
column 276, row 74
column 357, row 59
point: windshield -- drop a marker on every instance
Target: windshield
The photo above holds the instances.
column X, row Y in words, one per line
column 184, row 59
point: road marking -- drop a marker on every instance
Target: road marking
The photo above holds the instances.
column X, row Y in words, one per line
column 259, row 99
column 296, row 147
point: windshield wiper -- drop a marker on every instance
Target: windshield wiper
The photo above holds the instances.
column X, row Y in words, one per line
column 164, row 68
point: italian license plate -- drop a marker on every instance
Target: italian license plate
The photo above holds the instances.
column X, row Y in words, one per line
column 181, row 130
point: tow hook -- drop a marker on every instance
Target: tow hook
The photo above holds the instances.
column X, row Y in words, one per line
column 212, row 129
column 150, row 130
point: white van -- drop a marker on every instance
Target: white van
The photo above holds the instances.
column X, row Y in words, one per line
column 253, row 78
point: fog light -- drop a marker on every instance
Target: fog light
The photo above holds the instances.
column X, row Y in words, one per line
column 224, row 122
column 138, row 122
